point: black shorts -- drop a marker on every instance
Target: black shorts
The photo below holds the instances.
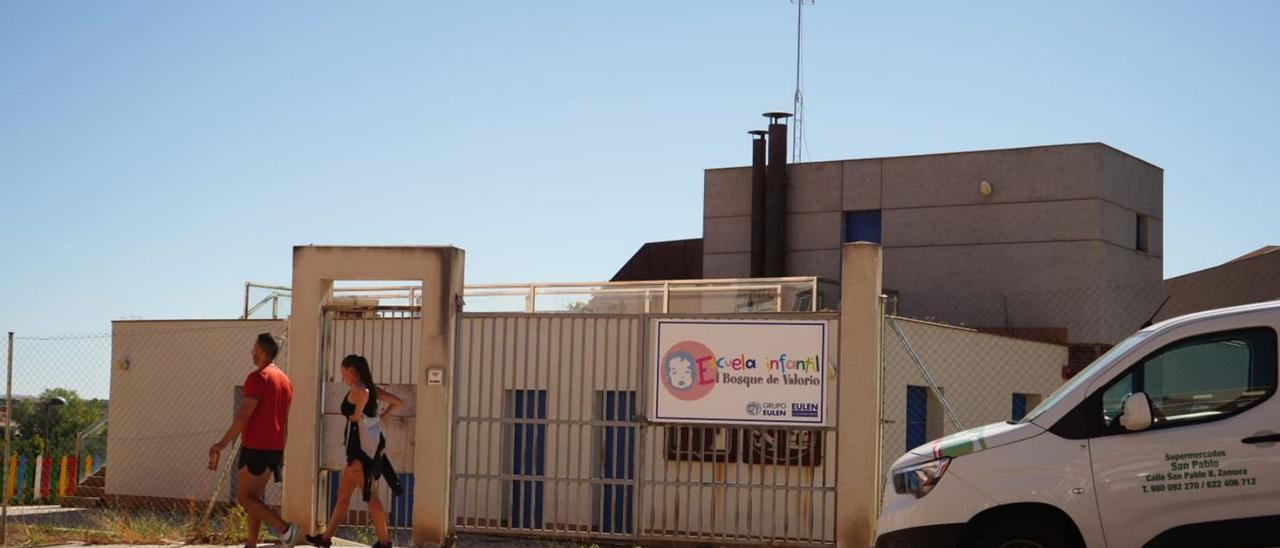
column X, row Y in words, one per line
column 259, row 461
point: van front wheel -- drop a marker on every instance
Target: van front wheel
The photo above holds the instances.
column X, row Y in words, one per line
column 1023, row 535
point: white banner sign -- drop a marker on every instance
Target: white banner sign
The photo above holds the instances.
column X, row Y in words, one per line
column 740, row 371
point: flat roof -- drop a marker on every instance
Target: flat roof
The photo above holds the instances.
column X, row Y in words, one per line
column 980, row 151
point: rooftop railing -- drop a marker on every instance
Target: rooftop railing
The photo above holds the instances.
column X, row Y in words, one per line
column 791, row 294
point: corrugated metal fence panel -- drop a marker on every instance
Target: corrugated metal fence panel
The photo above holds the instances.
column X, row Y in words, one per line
column 547, row 443
column 529, row 430
column 388, row 337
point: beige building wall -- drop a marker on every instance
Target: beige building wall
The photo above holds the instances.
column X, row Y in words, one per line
column 180, row 385
column 1060, row 218
column 172, row 396
column 978, row 374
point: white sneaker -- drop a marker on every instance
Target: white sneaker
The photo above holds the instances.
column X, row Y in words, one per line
column 290, row 537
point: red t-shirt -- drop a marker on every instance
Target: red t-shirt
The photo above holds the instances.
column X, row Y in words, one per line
column 265, row 430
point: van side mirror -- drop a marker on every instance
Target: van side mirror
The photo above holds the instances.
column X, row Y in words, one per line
column 1136, row 416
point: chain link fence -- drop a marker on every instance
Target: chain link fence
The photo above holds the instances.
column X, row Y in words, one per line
column 60, row 396
column 956, row 361
column 125, row 420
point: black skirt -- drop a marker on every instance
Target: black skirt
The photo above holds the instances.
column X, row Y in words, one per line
column 369, row 463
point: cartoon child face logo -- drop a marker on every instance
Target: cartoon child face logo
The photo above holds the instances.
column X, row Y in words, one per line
column 680, row 371
column 688, row 370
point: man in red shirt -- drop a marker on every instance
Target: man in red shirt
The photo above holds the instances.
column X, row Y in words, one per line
column 263, row 425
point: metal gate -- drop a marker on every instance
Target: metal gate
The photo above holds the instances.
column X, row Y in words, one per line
column 388, row 336
column 549, row 441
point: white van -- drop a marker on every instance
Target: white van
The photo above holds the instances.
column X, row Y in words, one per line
column 1169, row 439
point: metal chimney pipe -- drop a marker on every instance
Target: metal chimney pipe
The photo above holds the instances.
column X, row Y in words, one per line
column 758, row 181
column 775, row 203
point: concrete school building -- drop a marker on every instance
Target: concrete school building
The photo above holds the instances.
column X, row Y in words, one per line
column 1021, row 240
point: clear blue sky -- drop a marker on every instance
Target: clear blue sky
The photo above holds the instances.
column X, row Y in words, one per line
column 155, row 155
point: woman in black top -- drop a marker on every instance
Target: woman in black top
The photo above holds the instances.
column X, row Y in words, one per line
column 362, row 462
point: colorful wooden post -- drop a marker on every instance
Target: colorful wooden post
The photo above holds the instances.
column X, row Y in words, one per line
column 11, row 481
column 62, row 476
column 88, row 465
column 46, row 477
column 38, row 489
column 53, row 478
column 22, row 478
column 73, row 475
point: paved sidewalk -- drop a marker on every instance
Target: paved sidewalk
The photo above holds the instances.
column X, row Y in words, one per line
column 56, row 516
column 463, row 542
column 77, row 518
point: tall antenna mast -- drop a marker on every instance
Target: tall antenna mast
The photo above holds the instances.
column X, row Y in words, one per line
column 797, row 107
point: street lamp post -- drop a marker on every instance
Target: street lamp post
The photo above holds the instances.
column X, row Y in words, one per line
column 49, row 403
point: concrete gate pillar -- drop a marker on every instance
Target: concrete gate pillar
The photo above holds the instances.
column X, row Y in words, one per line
column 315, row 268
column 858, row 447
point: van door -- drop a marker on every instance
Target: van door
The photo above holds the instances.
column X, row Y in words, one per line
column 1207, row 470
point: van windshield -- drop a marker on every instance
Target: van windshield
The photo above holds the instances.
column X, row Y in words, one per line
column 1087, row 374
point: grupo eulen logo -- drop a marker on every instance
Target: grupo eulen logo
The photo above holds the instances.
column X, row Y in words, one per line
column 753, row 408
column 688, row 370
column 805, row 410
